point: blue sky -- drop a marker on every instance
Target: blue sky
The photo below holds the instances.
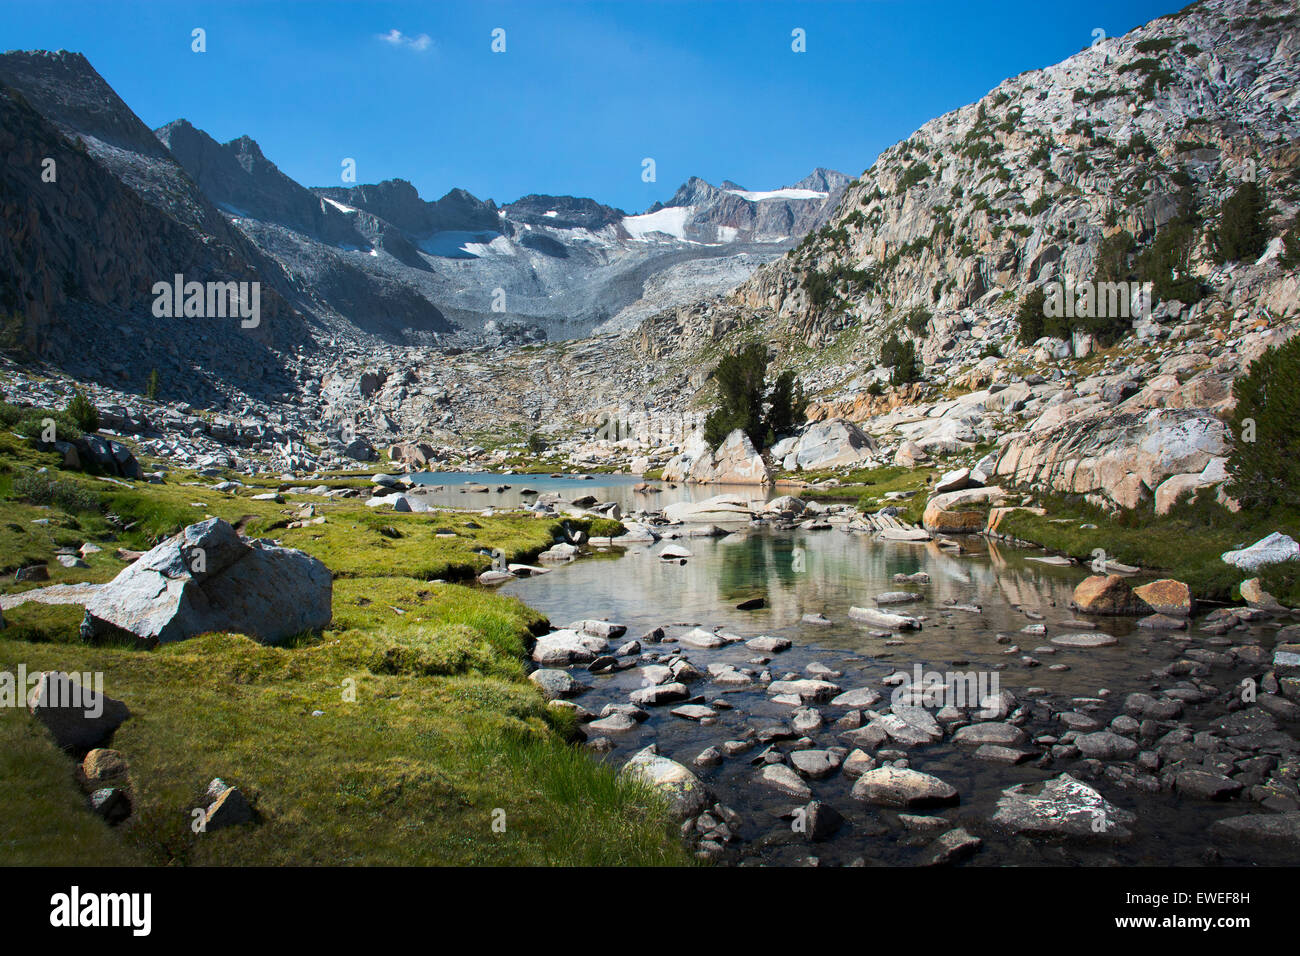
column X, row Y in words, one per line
column 584, row 91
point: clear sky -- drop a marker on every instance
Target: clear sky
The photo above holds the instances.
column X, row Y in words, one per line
column 583, row 92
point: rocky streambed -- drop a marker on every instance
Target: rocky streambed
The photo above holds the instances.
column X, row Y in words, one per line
column 823, row 696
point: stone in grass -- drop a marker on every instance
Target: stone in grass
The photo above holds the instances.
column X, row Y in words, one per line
column 228, row 807
column 686, row 795
column 77, row 717
column 103, row 764
column 111, row 803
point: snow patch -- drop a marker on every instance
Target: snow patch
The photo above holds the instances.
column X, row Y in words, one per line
column 670, row 220
column 338, row 205
column 788, row 193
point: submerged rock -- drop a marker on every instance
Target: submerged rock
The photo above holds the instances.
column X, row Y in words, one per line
column 1063, row 808
column 899, row 787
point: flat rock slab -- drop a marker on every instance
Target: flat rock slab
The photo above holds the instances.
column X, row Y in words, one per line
column 659, row 694
column 996, row 753
column 877, row 618
column 899, row 787
column 1094, row 639
column 703, row 639
column 857, row 697
column 1063, row 809
column 768, row 645
column 993, row 732
column 814, row 764
column 54, row 594
column 1203, row 785
column 782, row 778
column 694, row 712
column 1272, row 829
column 616, row 723
column 806, row 690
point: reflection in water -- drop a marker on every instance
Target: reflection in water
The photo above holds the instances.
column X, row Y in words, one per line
column 828, row 572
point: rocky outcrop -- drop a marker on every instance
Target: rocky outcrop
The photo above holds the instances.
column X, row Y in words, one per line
column 735, row 461
column 829, row 444
column 208, row 578
column 1120, row 458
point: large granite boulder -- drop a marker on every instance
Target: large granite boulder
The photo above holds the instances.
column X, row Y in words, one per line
column 829, row 444
column 208, row 578
column 735, row 461
column 1107, row 594
column 961, row 512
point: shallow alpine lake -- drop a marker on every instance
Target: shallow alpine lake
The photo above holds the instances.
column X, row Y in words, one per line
column 455, row 489
column 811, row 572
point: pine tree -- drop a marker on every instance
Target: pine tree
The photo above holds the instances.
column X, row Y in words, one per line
column 1243, row 228
column 83, row 412
column 1264, row 465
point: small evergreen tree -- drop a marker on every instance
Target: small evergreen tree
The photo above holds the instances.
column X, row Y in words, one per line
column 740, row 396
column 82, row 411
column 900, row 357
column 1264, row 465
column 151, row 388
column 1030, row 316
column 1243, row 226
column 787, row 405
